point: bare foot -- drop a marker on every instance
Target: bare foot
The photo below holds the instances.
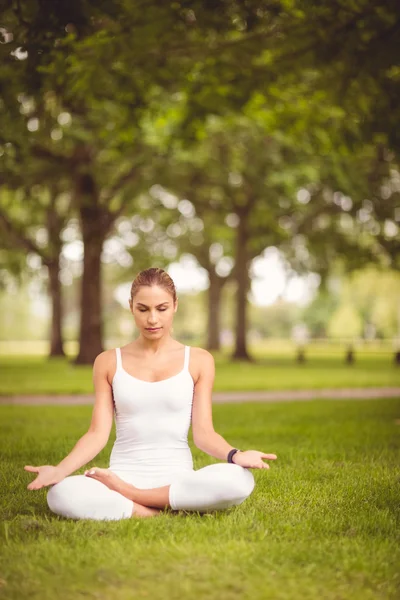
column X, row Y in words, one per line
column 110, row 479
column 144, row 511
column 113, row 482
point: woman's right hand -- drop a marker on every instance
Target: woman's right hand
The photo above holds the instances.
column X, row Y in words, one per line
column 47, row 475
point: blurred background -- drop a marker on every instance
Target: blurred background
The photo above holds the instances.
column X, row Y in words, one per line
column 249, row 148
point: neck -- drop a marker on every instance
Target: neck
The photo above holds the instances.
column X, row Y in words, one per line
column 153, row 346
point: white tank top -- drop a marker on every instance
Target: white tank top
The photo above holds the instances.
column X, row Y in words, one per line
column 152, row 421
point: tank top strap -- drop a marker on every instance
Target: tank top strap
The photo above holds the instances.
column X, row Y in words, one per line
column 187, row 357
column 119, row 360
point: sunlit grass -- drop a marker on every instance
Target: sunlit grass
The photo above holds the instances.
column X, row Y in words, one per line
column 271, row 370
column 321, row 524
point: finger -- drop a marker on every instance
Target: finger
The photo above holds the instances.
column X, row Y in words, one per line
column 269, row 456
column 31, row 469
column 34, row 487
column 265, row 465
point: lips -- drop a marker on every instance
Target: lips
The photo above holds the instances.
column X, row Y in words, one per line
column 152, row 328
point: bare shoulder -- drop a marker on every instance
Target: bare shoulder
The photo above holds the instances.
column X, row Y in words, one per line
column 105, row 364
column 203, row 362
column 202, row 355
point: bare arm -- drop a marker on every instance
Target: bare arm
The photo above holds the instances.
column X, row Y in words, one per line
column 94, row 440
column 204, row 435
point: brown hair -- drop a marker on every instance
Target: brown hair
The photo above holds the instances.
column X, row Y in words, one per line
column 153, row 276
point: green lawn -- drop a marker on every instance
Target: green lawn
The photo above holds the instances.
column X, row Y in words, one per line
column 323, row 523
column 272, row 370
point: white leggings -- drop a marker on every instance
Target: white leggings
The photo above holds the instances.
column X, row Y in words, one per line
column 214, row 487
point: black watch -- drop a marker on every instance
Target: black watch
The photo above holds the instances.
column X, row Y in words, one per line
column 231, row 453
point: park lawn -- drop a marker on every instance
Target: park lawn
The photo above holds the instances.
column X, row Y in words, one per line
column 270, row 371
column 322, row 523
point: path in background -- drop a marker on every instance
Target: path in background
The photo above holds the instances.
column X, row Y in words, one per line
column 221, row 397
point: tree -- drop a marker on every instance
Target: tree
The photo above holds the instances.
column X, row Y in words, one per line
column 32, row 220
column 241, row 182
column 103, row 68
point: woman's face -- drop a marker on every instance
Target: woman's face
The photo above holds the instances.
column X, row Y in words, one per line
column 153, row 309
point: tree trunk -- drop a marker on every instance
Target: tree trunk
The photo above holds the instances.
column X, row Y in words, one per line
column 300, row 355
column 95, row 223
column 90, row 332
column 243, row 281
column 55, row 224
column 214, row 309
column 56, row 341
column 349, row 355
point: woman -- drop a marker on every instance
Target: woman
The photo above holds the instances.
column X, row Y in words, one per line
column 156, row 387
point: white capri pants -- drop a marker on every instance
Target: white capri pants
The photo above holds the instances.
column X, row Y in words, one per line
column 214, row 487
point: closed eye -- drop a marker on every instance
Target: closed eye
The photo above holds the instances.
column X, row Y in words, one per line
column 144, row 309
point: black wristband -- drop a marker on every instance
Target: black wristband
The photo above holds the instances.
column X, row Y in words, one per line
column 231, row 453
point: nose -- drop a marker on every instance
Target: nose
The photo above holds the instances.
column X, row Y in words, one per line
column 152, row 320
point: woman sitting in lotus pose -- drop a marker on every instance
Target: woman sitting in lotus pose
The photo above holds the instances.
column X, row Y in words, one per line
column 156, row 387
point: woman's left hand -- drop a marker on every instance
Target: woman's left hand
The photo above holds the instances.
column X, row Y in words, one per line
column 252, row 459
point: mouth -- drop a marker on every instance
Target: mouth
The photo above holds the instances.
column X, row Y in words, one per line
column 152, row 328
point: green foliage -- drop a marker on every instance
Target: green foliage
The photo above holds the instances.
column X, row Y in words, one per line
column 317, row 314
column 18, row 320
column 276, row 320
column 374, row 295
column 345, row 322
column 235, row 109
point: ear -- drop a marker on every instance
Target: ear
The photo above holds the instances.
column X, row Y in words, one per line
column 176, row 306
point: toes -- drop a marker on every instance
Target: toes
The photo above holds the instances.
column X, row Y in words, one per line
column 91, row 473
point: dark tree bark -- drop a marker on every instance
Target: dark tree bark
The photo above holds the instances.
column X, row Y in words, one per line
column 350, row 355
column 243, row 284
column 56, row 341
column 91, row 331
column 300, row 355
column 95, row 223
column 214, row 310
column 55, row 224
column 96, row 220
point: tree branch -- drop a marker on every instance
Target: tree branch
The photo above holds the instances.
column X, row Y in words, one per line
column 128, row 177
column 21, row 240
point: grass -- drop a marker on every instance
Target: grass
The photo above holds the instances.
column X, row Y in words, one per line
column 273, row 369
column 323, row 523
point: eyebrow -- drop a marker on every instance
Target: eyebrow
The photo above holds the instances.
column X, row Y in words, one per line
column 141, row 304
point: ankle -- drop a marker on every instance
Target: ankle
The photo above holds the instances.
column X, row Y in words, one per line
column 139, row 510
